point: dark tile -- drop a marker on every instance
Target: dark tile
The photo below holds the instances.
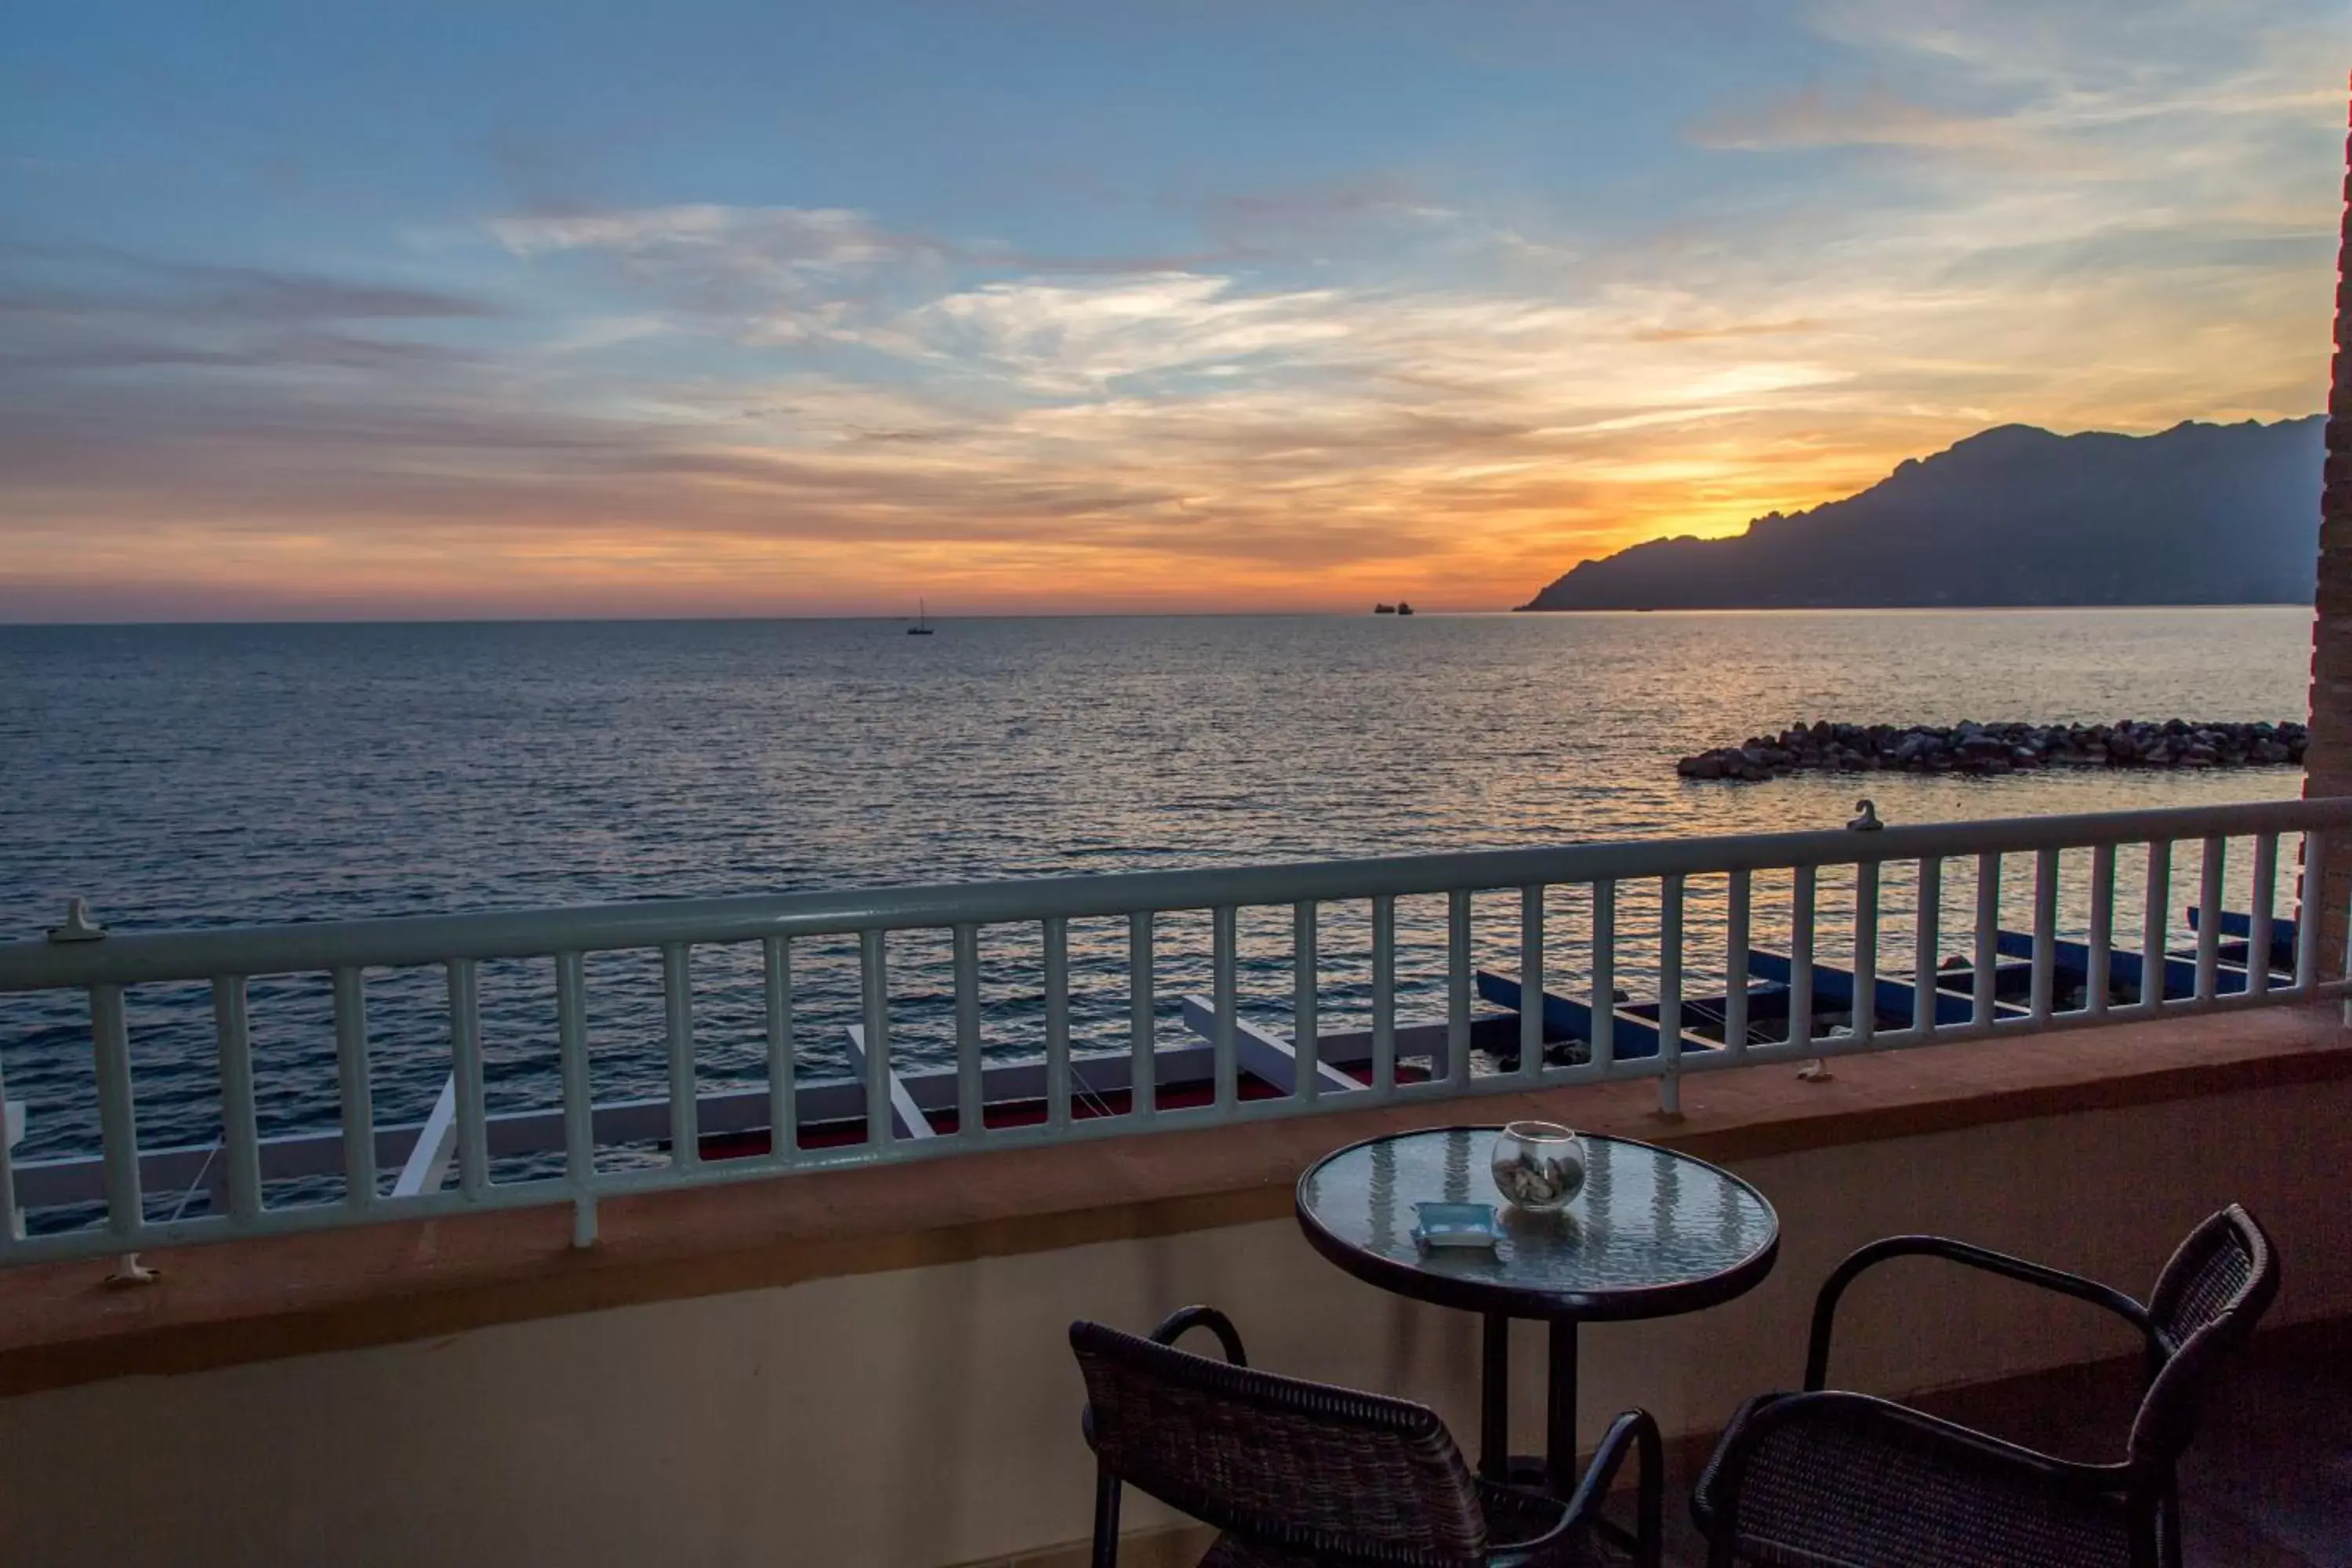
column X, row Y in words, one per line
column 2275, row 1454
column 2211, row 1538
column 2268, row 1483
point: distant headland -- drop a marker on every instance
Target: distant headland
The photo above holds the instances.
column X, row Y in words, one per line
column 2201, row 514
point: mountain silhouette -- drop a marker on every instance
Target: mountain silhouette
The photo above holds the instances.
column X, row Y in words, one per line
column 2201, row 514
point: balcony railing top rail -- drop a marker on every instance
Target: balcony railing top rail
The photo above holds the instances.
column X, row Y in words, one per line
column 201, row 954
column 2067, row 970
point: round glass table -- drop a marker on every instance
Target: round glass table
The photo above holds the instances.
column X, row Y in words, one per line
column 1652, row 1234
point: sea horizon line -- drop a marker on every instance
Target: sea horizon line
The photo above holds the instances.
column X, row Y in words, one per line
column 894, row 618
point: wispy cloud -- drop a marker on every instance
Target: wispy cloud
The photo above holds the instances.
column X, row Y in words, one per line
column 1815, row 117
column 1068, row 337
column 105, row 310
column 111, row 281
column 1692, row 334
column 831, row 239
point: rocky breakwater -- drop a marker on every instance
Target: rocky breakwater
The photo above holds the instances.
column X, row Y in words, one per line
column 1993, row 749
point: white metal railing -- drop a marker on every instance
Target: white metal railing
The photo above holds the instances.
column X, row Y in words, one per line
column 1772, row 1005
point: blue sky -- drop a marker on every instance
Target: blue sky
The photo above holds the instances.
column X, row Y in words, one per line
column 699, row 309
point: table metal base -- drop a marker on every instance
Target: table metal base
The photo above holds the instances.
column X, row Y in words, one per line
column 1555, row 1472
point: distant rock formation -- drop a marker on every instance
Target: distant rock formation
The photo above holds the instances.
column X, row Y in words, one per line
column 2201, row 514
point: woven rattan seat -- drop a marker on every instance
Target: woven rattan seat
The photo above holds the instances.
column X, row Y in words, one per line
column 1296, row 1473
column 1821, row 1478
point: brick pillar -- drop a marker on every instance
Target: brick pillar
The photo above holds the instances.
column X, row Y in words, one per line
column 2327, row 762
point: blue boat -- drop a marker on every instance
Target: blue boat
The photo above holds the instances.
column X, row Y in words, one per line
column 2242, row 927
column 1894, row 1005
column 1568, row 1021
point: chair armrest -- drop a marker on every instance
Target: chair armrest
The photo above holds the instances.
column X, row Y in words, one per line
column 1229, row 1339
column 1942, row 1480
column 1817, row 1353
column 1632, row 1432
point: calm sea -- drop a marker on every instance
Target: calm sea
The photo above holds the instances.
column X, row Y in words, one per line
column 203, row 775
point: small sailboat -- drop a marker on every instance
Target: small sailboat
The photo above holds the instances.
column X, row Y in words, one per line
column 922, row 626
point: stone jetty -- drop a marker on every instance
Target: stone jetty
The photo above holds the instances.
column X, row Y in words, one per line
column 1993, row 749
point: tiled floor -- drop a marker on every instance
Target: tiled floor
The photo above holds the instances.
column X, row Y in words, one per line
column 2268, row 1484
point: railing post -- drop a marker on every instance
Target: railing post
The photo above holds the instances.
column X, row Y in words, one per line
column 1224, row 939
column 678, row 1008
column 464, row 977
column 241, row 1136
column 1987, row 957
column 1056, row 934
column 1670, row 995
column 2156, row 926
column 1734, row 964
column 1457, row 988
column 2042, row 997
column 873, row 985
column 2209, row 923
column 357, row 1096
column 783, row 1070
column 1383, row 996
column 1531, row 982
column 1306, row 1000
column 2308, row 911
column 2258, row 929
column 1927, row 949
column 12, row 1222
column 1142, row 1020
column 2100, row 978
column 1801, row 958
column 579, row 1106
column 1863, row 1020
column 971, row 1068
column 1605, row 975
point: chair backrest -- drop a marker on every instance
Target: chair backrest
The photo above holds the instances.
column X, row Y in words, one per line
column 2206, row 1304
column 1324, row 1471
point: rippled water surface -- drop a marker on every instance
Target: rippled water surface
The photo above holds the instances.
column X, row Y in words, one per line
column 200, row 775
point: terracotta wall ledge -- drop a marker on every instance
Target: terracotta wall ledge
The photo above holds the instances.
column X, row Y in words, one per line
column 267, row 1297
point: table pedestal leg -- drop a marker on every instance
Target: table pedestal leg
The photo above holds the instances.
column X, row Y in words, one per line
column 1494, row 1401
column 1560, row 1476
column 1559, row 1410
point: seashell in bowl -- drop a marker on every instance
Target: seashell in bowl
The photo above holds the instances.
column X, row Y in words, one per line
column 1538, row 1167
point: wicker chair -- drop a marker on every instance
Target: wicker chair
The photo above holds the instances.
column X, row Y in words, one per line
column 1821, row 1478
column 1298, row 1474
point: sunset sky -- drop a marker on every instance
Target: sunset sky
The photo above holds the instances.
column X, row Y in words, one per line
column 812, row 308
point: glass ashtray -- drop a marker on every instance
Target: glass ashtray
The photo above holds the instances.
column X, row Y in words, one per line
column 1455, row 1225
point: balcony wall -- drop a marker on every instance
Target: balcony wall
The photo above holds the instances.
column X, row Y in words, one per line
column 926, row 1414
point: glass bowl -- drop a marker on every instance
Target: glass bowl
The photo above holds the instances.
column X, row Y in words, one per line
column 1538, row 1167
